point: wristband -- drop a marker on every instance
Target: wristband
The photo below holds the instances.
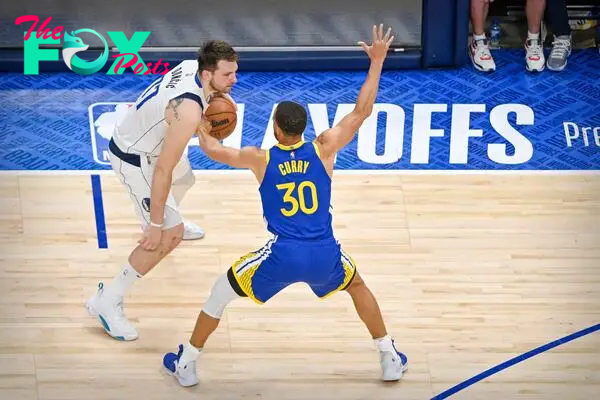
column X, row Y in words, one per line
column 156, row 225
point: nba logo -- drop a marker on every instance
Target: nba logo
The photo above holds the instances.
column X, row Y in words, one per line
column 103, row 119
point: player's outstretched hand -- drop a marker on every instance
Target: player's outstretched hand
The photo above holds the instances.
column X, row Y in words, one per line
column 377, row 51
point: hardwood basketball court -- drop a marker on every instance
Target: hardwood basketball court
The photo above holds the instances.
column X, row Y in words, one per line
column 470, row 270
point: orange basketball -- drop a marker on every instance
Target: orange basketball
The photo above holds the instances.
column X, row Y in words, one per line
column 222, row 116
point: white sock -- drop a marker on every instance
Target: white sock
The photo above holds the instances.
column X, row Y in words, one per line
column 121, row 283
column 384, row 343
column 533, row 36
column 479, row 37
column 190, row 353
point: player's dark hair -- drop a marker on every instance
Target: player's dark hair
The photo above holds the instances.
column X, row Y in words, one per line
column 291, row 118
column 214, row 51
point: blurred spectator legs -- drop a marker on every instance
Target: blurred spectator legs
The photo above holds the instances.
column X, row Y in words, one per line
column 558, row 19
column 479, row 50
column 534, row 49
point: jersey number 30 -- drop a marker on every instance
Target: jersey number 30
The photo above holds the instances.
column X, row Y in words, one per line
column 298, row 201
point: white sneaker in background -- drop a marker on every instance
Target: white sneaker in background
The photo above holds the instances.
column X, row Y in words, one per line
column 480, row 55
column 191, row 231
column 534, row 55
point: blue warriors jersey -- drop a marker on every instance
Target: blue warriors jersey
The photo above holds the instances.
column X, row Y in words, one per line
column 296, row 193
column 296, row 201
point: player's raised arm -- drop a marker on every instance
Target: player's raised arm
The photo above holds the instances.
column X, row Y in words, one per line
column 333, row 140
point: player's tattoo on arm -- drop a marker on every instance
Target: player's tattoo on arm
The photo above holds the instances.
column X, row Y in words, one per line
column 173, row 104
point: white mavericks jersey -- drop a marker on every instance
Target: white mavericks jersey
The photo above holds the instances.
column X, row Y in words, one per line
column 143, row 128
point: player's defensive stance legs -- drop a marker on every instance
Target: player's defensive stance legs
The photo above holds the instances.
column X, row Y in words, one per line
column 393, row 363
column 262, row 274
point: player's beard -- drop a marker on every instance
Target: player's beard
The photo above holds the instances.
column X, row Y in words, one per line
column 224, row 89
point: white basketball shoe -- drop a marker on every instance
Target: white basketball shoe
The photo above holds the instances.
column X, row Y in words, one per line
column 393, row 363
column 191, row 231
column 185, row 374
column 109, row 311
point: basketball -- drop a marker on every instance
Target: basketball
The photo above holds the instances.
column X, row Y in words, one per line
column 222, row 116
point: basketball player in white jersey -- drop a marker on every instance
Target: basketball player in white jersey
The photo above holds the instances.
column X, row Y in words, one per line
column 148, row 154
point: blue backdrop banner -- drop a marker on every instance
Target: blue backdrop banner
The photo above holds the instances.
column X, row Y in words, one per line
column 423, row 120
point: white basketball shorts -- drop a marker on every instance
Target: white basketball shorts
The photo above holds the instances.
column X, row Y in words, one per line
column 138, row 181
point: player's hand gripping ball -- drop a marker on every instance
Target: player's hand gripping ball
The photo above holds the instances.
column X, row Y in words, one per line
column 222, row 116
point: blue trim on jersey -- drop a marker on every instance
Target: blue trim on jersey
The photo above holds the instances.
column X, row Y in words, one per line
column 197, row 81
column 132, row 159
column 191, row 96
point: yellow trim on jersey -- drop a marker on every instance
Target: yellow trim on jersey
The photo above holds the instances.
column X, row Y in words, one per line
column 268, row 155
column 249, row 263
column 317, row 149
column 349, row 257
column 290, row 147
column 245, row 279
column 349, row 272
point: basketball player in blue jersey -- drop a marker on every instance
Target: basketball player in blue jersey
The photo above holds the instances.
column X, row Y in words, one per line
column 295, row 189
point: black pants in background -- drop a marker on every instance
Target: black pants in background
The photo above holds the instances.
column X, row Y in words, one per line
column 557, row 17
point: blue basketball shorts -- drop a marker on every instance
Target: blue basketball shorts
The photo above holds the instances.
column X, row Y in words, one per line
column 322, row 264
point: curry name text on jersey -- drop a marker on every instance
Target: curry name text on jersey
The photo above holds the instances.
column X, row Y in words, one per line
column 293, row 167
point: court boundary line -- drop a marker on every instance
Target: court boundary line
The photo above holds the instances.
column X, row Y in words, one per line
column 336, row 172
column 515, row 360
column 99, row 212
